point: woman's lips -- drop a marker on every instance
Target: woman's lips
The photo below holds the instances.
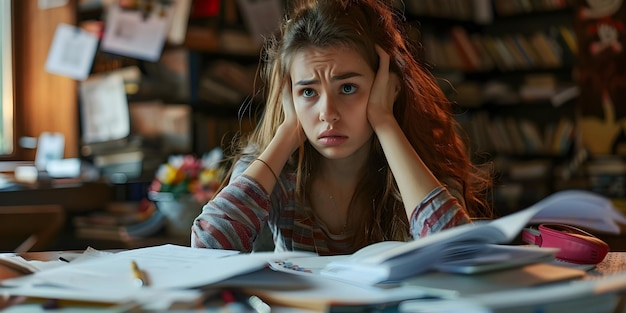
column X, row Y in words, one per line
column 332, row 139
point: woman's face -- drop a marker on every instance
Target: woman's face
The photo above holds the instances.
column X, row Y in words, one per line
column 331, row 88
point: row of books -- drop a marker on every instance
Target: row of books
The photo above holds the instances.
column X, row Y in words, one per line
column 226, row 83
column 120, row 222
column 518, row 136
column 213, row 131
column 459, row 49
column 478, row 11
column 482, row 11
column 513, row 7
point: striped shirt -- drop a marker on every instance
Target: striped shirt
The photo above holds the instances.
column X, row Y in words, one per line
column 238, row 214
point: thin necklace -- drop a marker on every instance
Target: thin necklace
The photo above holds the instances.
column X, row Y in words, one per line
column 345, row 223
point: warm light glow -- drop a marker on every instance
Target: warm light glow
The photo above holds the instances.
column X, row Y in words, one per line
column 6, row 80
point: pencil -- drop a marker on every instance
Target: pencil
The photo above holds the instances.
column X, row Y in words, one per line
column 140, row 276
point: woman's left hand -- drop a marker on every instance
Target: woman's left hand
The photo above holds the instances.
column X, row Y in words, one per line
column 384, row 91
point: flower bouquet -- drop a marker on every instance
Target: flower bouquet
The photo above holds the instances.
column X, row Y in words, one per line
column 185, row 175
column 183, row 185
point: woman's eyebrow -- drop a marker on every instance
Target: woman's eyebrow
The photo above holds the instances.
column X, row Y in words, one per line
column 306, row 82
column 346, row 76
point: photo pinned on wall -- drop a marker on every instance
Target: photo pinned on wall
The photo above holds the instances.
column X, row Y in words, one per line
column 104, row 109
column 137, row 34
column 72, row 52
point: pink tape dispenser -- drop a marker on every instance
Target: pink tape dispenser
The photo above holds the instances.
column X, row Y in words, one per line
column 576, row 245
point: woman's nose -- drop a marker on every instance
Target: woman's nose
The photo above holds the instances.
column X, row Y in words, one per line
column 328, row 112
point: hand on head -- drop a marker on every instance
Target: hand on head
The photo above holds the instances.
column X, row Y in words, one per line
column 291, row 119
column 384, row 91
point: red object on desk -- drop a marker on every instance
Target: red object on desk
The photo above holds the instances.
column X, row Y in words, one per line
column 576, row 245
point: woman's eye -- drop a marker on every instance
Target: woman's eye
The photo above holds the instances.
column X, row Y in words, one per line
column 348, row 89
column 308, row 93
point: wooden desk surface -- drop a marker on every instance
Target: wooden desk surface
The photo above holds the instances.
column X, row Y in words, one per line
column 613, row 263
column 73, row 196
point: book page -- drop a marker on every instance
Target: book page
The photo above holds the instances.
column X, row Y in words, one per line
column 525, row 276
column 582, row 208
column 465, row 242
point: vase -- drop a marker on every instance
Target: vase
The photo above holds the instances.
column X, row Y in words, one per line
column 179, row 212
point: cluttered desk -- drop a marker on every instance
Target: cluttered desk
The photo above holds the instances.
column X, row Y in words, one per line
column 467, row 268
column 172, row 277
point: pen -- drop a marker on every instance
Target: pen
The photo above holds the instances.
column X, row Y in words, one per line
column 141, row 278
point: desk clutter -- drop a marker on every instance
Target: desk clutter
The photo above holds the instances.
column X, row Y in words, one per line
column 471, row 266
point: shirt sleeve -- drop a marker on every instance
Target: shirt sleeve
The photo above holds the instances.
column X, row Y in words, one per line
column 233, row 219
column 438, row 211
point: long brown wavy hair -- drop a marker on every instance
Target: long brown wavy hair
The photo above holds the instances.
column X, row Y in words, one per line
column 421, row 109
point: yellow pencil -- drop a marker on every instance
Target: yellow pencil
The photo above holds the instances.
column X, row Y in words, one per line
column 140, row 276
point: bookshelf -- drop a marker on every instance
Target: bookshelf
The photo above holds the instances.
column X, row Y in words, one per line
column 509, row 68
column 223, row 64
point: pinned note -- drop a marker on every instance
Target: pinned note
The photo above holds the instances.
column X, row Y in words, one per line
column 135, row 33
column 72, row 52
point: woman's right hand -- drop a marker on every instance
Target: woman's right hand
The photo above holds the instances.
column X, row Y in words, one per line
column 291, row 125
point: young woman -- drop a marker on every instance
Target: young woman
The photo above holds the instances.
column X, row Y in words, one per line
column 357, row 143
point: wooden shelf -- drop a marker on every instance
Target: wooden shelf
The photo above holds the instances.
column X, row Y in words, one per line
column 211, row 40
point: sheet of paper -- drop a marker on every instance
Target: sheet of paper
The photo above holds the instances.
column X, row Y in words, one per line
column 167, row 267
column 104, row 109
column 130, row 33
column 150, row 299
column 318, row 293
column 72, row 52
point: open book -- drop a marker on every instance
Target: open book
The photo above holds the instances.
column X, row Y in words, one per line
column 392, row 261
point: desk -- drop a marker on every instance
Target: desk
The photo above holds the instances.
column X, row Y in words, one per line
column 73, row 196
column 616, row 261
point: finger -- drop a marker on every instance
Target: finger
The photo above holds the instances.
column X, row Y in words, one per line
column 383, row 62
column 381, row 81
column 395, row 81
column 287, row 97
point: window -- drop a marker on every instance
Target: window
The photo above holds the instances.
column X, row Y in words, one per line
column 6, row 81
